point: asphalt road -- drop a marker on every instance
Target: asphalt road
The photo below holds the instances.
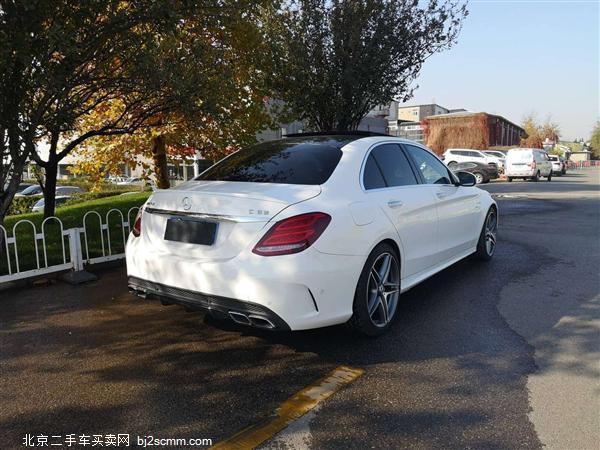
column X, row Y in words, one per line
column 496, row 355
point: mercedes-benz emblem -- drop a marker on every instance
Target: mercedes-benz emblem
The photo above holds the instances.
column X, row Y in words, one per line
column 187, row 203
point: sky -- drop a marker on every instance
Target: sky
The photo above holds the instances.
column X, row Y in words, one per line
column 516, row 57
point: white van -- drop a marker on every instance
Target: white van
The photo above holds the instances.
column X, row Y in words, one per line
column 531, row 163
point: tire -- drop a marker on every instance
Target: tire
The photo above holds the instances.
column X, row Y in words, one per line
column 370, row 316
column 560, row 174
column 479, row 178
column 486, row 246
column 509, row 179
column 536, row 177
column 550, row 176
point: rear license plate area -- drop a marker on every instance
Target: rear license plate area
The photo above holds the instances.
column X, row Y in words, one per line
column 191, row 231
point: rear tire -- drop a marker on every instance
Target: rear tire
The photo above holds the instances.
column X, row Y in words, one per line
column 486, row 246
column 479, row 178
column 550, row 176
column 509, row 179
column 536, row 177
column 377, row 292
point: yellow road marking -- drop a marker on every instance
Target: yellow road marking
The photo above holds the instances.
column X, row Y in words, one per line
column 291, row 409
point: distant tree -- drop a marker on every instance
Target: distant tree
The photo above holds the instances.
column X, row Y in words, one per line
column 537, row 133
column 532, row 129
column 595, row 140
column 550, row 130
column 337, row 59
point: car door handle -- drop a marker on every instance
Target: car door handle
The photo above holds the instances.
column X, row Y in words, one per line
column 395, row 203
column 441, row 194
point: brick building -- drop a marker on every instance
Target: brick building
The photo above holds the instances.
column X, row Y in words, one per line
column 470, row 130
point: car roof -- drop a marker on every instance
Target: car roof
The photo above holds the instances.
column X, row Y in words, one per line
column 340, row 139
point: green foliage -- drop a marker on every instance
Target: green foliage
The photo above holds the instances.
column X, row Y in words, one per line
column 595, row 140
column 336, row 60
column 71, row 216
column 23, row 205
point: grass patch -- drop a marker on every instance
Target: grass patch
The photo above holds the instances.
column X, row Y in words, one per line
column 71, row 217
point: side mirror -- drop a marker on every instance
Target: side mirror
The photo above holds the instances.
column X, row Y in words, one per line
column 466, row 178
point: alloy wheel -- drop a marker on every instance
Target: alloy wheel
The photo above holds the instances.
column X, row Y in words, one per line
column 491, row 228
column 478, row 178
column 383, row 289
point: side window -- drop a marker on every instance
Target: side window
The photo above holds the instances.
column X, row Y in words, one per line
column 372, row 177
column 433, row 171
column 394, row 165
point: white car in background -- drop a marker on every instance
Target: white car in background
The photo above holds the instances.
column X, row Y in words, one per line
column 454, row 156
column 527, row 163
column 36, row 189
column 59, row 201
column 309, row 231
column 557, row 165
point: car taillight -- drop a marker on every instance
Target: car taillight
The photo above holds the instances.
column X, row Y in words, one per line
column 292, row 235
column 532, row 165
column 137, row 224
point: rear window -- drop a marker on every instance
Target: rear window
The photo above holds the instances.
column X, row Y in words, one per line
column 520, row 155
column 288, row 161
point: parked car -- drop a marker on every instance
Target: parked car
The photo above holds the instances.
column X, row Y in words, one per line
column 130, row 181
column 483, row 172
column 39, row 205
column 564, row 164
column 36, row 189
column 454, row 156
column 68, row 190
column 526, row 163
column 496, row 154
column 557, row 165
column 309, row 231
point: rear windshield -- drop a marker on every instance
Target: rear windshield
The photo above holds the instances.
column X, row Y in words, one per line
column 522, row 155
column 289, row 161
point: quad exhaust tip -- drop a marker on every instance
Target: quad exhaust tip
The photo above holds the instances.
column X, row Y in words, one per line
column 251, row 320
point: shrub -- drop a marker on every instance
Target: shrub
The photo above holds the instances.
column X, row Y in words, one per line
column 87, row 196
column 22, row 205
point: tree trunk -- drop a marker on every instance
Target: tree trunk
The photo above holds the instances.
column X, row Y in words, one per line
column 159, row 155
column 6, row 198
column 51, row 170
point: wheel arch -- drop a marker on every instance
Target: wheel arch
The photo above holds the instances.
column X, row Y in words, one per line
column 394, row 243
column 493, row 206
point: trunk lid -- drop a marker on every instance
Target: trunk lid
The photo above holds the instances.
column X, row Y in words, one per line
column 240, row 210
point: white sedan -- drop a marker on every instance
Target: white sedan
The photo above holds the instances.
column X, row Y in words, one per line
column 309, row 231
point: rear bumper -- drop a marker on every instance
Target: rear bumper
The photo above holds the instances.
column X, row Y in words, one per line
column 520, row 173
column 245, row 313
column 300, row 291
